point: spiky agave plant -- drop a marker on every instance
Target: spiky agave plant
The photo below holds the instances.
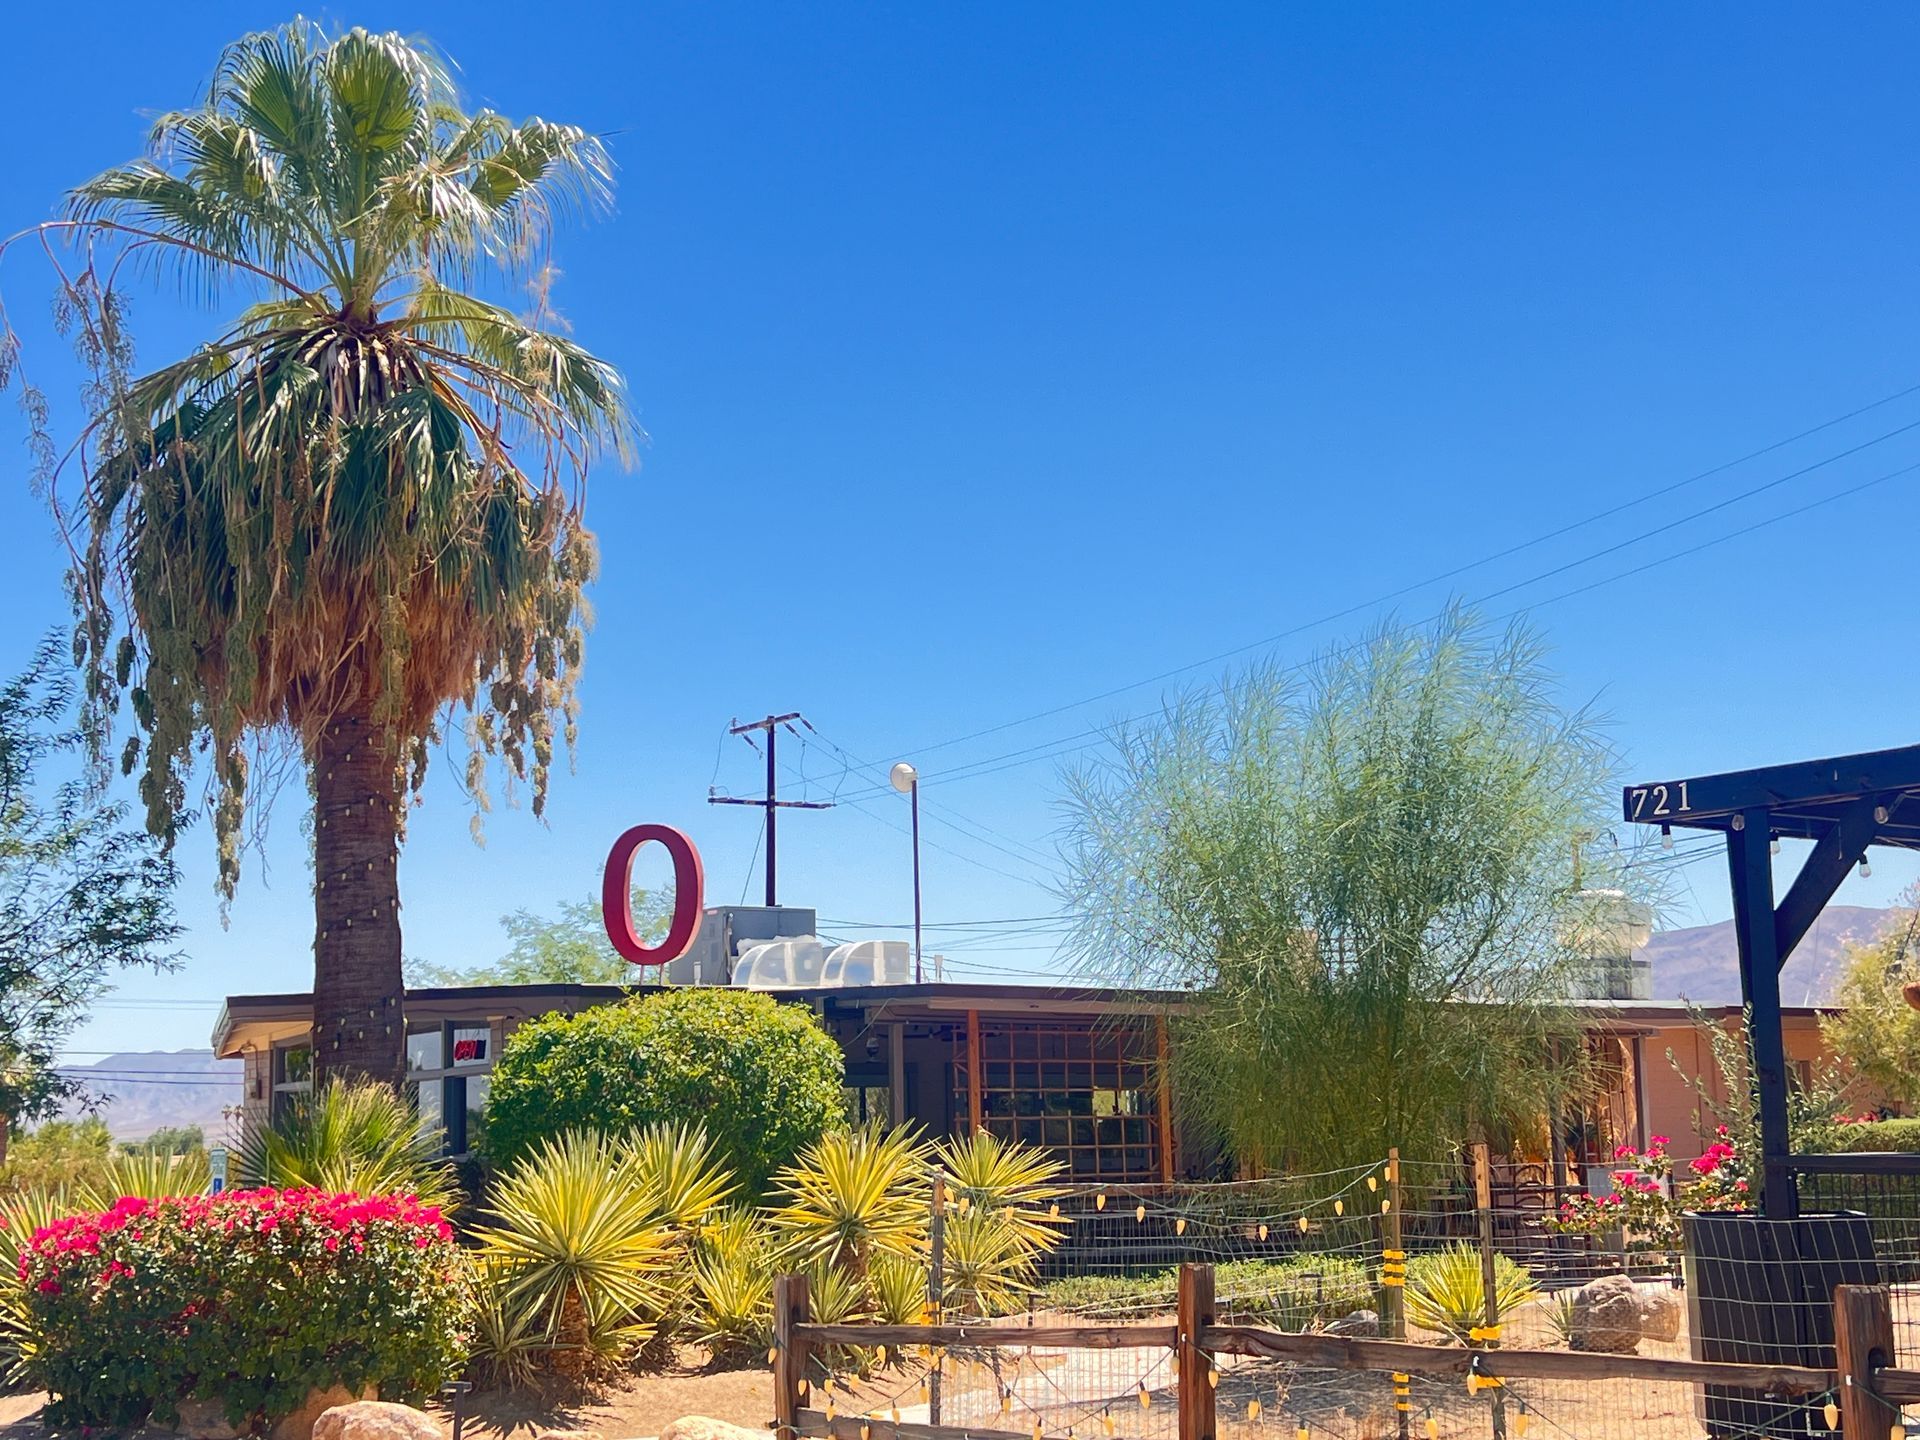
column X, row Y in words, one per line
column 852, row 1195
column 680, row 1172
column 582, row 1247
column 358, row 504
column 22, row 1213
column 349, row 1135
column 1446, row 1291
column 151, row 1173
column 1013, row 1181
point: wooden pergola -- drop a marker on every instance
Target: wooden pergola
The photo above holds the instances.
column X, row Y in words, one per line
column 1845, row 806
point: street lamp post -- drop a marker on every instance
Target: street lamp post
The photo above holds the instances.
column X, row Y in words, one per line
column 907, row 781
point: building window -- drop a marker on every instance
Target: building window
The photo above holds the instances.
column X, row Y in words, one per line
column 1088, row 1095
column 292, row 1075
column 448, row 1070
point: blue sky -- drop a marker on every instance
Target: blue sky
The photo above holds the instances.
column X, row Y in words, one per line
column 994, row 357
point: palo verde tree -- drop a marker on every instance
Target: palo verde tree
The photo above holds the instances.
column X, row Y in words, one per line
column 83, row 894
column 1364, row 876
column 358, row 506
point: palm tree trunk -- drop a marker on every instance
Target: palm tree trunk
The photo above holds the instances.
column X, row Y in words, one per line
column 358, row 1026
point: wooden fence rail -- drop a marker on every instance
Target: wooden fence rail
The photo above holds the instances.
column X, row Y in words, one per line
column 1865, row 1376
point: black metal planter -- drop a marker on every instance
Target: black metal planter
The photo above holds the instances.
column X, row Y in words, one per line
column 1760, row 1291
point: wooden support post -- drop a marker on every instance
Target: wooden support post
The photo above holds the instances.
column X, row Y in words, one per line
column 1192, row 1365
column 1489, row 1274
column 1862, row 1344
column 1163, row 1100
column 789, row 1354
column 973, row 1072
column 1393, row 1283
column 936, row 1284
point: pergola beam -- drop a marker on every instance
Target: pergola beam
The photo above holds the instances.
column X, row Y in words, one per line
column 1845, row 806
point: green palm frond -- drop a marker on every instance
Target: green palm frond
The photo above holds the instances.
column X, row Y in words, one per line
column 356, row 1136
column 362, row 498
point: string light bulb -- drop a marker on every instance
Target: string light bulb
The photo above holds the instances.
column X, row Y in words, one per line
column 1100, row 1201
column 1263, row 1229
column 1520, row 1424
column 1106, row 1421
column 1180, row 1226
column 1773, row 846
column 1866, row 867
column 1053, row 1211
column 1339, row 1207
column 1303, row 1224
column 1301, row 1434
column 1146, row 1397
column 1213, row 1378
column 1831, row 1413
column 1433, row 1428
column 1666, row 843
column 1253, row 1409
column 1140, row 1214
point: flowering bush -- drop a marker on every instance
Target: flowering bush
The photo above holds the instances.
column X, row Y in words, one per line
column 1646, row 1203
column 251, row 1298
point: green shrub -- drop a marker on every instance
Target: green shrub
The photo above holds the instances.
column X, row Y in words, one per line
column 1876, row 1135
column 252, row 1298
column 1296, row 1293
column 760, row 1077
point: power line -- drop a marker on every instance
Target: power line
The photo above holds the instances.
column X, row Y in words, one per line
column 1079, row 740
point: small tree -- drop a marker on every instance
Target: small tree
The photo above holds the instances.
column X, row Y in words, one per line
column 761, row 1077
column 1365, row 878
column 81, row 895
column 570, row 948
column 1873, row 1028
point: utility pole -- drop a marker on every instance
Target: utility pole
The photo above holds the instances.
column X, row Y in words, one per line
column 771, row 803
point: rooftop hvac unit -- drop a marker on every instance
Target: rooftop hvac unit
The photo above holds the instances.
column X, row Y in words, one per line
column 781, row 964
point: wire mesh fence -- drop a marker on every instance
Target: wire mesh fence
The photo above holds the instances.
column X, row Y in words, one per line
column 1381, row 1252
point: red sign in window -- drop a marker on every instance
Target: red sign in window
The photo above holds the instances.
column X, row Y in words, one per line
column 469, row 1052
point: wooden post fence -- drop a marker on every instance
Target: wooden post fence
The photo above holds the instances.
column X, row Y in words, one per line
column 1192, row 1363
column 1863, row 1347
column 790, row 1349
column 1869, row 1386
column 936, row 1281
column 1393, row 1289
column 1489, row 1272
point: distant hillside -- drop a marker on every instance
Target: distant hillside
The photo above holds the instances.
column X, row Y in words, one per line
column 1702, row 963
column 147, row 1090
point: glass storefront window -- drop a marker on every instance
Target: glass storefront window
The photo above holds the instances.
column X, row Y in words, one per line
column 424, row 1050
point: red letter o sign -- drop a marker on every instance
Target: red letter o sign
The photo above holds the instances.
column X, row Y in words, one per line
column 616, row 892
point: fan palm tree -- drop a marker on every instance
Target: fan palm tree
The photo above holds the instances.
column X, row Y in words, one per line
column 360, row 504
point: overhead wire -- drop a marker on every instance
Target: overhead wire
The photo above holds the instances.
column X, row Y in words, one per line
column 1083, row 739
column 1458, row 570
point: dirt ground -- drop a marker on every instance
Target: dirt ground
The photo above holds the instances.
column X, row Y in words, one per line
column 1081, row 1394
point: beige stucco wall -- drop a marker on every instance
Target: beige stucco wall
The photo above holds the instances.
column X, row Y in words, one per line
column 1673, row 1109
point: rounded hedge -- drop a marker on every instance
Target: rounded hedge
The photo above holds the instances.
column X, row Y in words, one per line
column 1877, row 1135
column 761, row 1077
column 252, row 1299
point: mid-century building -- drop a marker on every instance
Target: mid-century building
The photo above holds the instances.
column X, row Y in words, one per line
column 1073, row 1068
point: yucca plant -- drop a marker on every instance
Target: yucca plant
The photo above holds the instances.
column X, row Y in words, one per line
column 1445, row 1291
column 989, row 1264
column 349, row 1135
column 151, row 1173
column 853, row 1195
column 22, row 1212
column 680, row 1172
column 360, row 502
column 581, row 1245
column 509, row 1346
column 733, row 1285
column 897, row 1286
column 1016, row 1181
